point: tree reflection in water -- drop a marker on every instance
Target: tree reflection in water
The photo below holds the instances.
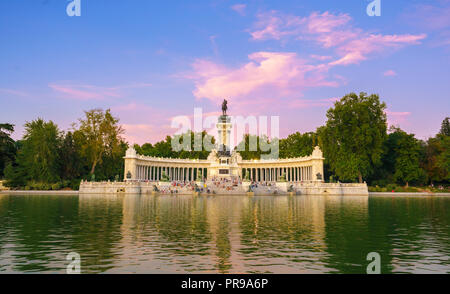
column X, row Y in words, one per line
column 226, row 234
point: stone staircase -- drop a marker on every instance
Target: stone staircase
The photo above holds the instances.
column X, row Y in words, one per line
column 225, row 188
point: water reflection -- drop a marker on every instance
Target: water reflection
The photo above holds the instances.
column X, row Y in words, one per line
column 225, row 234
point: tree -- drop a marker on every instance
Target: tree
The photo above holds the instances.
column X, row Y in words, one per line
column 437, row 155
column 445, row 127
column 164, row 148
column 72, row 163
column 100, row 134
column 297, row 145
column 257, row 147
column 443, row 161
column 352, row 139
column 7, row 146
column 202, row 153
column 407, row 151
column 38, row 158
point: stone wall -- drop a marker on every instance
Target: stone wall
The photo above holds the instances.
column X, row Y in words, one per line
column 312, row 188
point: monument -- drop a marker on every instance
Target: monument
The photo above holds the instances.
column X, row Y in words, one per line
column 224, row 172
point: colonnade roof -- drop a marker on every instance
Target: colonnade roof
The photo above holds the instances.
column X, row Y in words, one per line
column 255, row 162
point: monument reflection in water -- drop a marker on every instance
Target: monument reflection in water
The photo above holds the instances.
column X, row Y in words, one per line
column 226, row 234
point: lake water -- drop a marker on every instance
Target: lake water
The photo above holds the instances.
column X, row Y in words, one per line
column 224, row 234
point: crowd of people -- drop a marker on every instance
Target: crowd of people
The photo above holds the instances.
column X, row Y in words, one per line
column 227, row 184
column 212, row 185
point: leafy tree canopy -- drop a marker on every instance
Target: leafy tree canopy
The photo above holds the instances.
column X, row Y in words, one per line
column 352, row 139
column 7, row 146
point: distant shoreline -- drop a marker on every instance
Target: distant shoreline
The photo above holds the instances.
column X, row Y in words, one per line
column 67, row 192
column 408, row 194
column 40, row 192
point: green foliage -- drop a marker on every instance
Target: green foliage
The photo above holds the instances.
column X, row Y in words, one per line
column 445, row 127
column 7, row 146
column 352, row 139
column 199, row 176
column 100, row 135
column 48, row 159
column 256, row 147
column 164, row 148
column 443, row 159
column 298, row 145
column 354, row 142
column 15, row 176
column 405, row 153
column 164, row 177
column 39, row 156
column 72, row 163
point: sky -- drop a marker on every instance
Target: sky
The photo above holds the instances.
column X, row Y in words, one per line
column 150, row 61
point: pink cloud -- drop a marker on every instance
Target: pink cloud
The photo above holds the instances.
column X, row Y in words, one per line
column 145, row 133
column 267, row 76
column 396, row 118
column 320, row 57
column 308, row 103
column 360, row 49
column 91, row 92
column 351, row 44
column 13, row 92
column 390, row 73
column 239, row 8
column 143, row 123
column 434, row 17
column 83, row 92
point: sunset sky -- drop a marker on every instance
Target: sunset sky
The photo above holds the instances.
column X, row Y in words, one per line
column 152, row 60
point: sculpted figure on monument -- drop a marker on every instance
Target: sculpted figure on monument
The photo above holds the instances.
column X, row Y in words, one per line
column 224, row 106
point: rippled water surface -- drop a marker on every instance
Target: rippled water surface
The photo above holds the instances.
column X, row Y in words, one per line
column 224, row 234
